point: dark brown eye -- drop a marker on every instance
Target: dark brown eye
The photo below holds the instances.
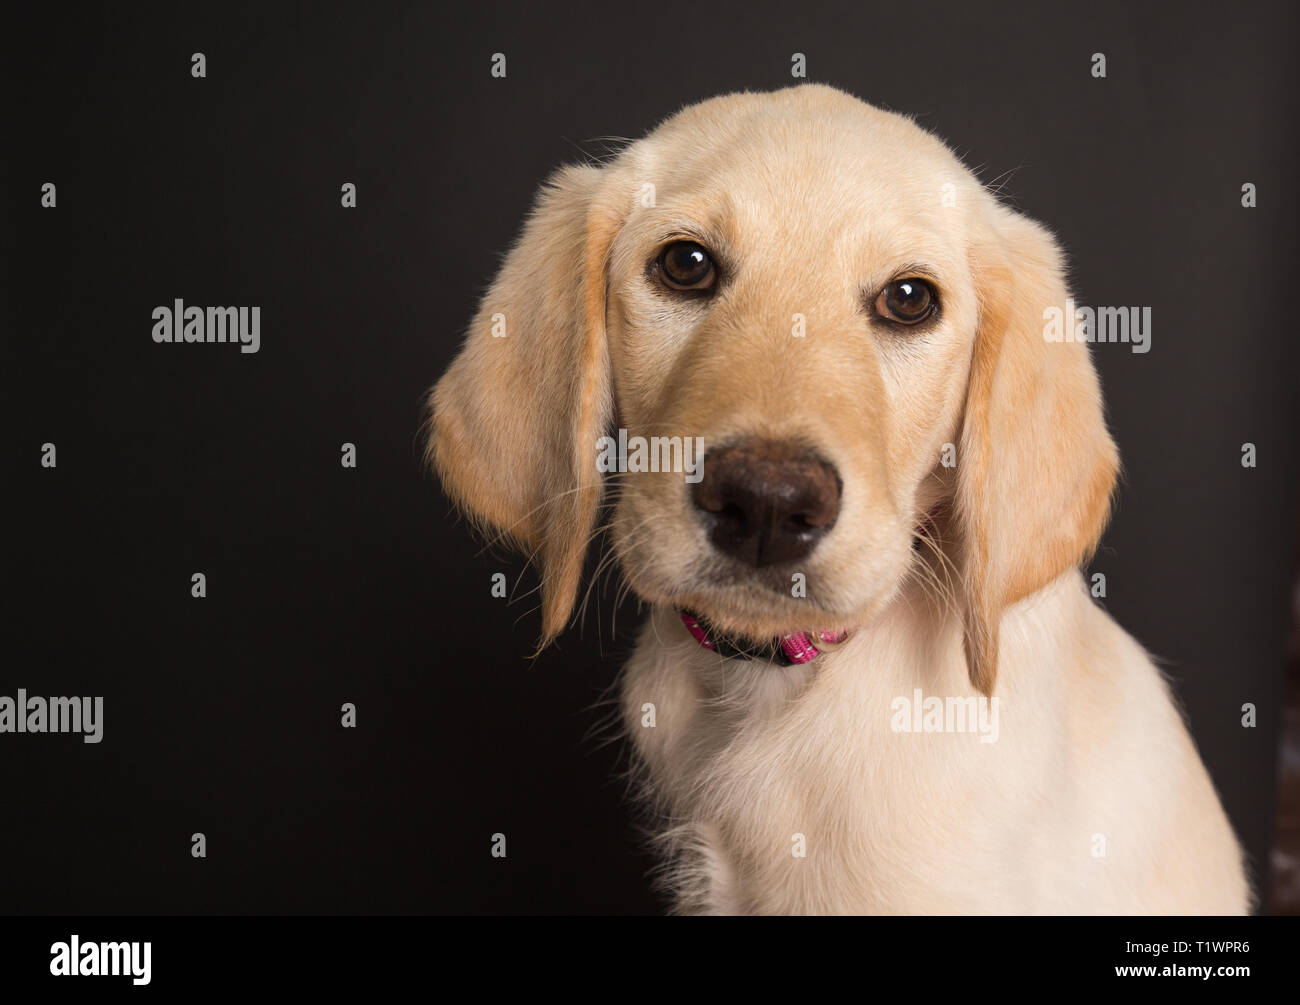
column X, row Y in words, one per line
column 907, row 301
column 685, row 265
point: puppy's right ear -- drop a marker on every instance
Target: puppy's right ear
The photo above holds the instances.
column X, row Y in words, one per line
column 515, row 420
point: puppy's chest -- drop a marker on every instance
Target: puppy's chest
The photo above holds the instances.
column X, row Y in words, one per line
column 790, row 794
column 827, row 833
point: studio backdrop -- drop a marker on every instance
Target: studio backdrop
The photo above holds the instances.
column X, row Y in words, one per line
column 307, row 671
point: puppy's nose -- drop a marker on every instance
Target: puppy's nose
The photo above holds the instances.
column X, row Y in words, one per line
column 766, row 503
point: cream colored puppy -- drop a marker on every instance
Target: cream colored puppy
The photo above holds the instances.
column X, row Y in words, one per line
column 854, row 329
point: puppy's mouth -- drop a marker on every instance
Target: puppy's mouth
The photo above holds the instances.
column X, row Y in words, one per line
column 749, row 614
column 790, row 649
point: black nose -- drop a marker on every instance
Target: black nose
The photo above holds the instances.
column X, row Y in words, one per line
column 765, row 502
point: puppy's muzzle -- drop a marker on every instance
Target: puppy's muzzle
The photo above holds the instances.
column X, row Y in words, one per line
column 767, row 503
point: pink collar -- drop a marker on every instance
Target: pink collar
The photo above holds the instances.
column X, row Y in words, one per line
column 788, row 650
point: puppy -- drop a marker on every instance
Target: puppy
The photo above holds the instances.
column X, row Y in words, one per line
column 872, row 679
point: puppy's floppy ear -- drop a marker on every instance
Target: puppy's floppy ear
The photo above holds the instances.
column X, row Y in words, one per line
column 516, row 417
column 1037, row 466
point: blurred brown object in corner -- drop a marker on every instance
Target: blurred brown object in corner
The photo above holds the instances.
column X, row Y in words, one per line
column 1284, row 894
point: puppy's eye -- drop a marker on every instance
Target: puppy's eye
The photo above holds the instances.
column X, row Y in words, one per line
column 685, row 265
column 907, row 301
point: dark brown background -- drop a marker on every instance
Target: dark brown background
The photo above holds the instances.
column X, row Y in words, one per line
column 328, row 585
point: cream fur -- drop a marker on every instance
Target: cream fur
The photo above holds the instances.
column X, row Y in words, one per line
column 1093, row 798
column 742, row 757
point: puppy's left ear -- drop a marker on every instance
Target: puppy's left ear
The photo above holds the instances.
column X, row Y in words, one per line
column 1037, row 466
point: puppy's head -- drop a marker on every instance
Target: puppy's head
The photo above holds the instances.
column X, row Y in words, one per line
column 823, row 295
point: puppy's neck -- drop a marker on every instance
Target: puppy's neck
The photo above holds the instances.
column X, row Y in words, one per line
column 914, row 643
